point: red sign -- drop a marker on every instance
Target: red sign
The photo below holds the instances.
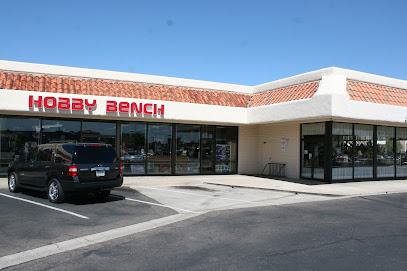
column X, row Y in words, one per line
column 138, row 108
column 62, row 103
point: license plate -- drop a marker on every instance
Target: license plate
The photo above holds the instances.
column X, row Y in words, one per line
column 100, row 173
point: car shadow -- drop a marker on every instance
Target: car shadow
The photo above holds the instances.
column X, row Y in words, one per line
column 76, row 199
column 91, row 198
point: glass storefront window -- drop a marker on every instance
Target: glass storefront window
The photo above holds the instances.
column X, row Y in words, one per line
column 401, row 152
column 159, row 148
column 188, row 149
column 145, row 148
column 342, row 148
column 226, row 150
column 18, row 136
column 99, row 132
column 384, row 149
column 133, row 148
column 60, row 130
column 363, row 152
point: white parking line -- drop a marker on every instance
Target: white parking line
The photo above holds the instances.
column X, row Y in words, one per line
column 200, row 195
column 157, row 204
column 46, row 206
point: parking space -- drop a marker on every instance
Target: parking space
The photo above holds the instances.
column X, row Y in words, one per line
column 29, row 221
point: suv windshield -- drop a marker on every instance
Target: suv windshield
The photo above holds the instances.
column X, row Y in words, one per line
column 94, row 154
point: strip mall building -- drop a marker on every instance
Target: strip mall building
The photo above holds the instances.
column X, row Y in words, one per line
column 332, row 124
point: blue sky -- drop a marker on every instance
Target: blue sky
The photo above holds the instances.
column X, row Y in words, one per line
column 240, row 42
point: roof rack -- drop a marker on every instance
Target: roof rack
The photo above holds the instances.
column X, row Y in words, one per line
column 63, row 141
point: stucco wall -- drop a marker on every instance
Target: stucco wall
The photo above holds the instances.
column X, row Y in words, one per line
column 248, row 152
column 271, row 149
column 262, row 144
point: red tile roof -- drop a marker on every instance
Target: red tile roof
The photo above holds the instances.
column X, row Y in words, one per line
column 101, row 87
column 286, row 94
column 58, row 84
column 371, row 93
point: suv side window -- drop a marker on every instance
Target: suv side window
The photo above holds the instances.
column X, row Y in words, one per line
column 32, row 155
column 44, row 153
column 64, row 154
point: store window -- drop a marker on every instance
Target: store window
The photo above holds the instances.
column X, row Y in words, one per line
column 159, row 148
column 60, row 130
column 342, row 150
column 313, row 151
column 363, row 152
column 226, row 150
column 401, row 152
column 188, row 149
column 18, row 136
column 385, row 153
column 133, row 148
column 99, row 132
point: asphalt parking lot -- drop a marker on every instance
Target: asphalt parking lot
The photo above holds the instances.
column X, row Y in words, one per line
column 29, row 221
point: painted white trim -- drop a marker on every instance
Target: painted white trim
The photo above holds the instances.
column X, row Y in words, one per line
column 17, row 102
column 329, row 102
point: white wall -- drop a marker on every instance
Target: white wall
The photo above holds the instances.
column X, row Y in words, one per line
column 262, row 144
column 17, row 101
column 248, row 149
column 270, row 138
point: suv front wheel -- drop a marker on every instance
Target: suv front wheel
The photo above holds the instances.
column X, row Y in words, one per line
column 55, row 191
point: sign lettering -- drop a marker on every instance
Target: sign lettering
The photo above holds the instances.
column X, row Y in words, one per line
column 77, row 104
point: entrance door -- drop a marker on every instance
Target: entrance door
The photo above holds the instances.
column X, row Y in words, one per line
column 313, row 157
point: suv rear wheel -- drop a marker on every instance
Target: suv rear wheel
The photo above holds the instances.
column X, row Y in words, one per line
column 55, row 191
column 13, row 186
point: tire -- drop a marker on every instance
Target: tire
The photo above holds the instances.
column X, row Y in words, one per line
column 13, row 184
column 55, row 192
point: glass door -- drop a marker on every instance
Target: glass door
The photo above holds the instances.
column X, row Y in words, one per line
column 313, row 157
column 207, row 146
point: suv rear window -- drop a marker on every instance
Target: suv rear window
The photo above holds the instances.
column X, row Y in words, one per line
column 64, row 154
column 95, row 154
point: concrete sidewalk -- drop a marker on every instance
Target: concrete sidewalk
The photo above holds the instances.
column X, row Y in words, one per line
column 337, row 189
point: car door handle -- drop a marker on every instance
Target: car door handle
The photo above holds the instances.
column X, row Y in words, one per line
column 47, row 167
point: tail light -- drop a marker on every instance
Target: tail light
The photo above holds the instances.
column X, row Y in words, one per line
column 121, row 169
column 72, row 171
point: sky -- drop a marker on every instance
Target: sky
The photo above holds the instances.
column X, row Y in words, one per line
column 230, row 41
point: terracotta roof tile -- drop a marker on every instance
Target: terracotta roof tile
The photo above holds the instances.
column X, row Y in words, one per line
column 291, row 93
column 99, row 87
column 372, row 93
column 60, row 84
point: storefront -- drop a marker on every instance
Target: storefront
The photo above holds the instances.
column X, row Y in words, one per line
column 145, row 147
column 331, row 125
column 335, row 151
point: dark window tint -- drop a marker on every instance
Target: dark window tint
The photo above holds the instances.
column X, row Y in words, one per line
column 64, row 154
column 45, row 153
column 95, row 154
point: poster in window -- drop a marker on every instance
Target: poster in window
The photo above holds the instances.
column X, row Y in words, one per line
column 222, row 153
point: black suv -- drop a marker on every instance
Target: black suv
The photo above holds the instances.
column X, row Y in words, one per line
column 67, row 167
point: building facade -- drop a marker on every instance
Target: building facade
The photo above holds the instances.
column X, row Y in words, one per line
column 331, row 125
